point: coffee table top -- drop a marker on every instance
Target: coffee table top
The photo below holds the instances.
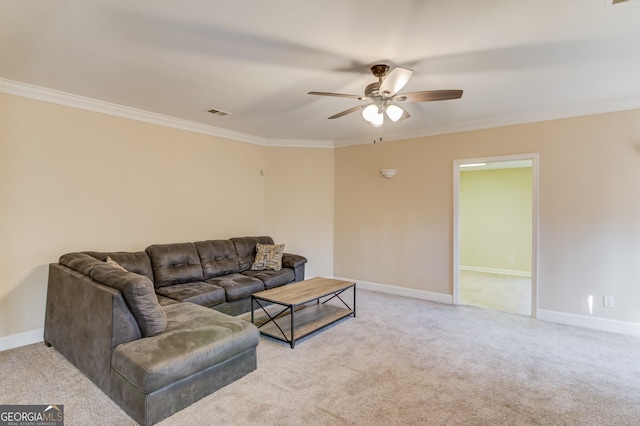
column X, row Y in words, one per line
column 303, row 291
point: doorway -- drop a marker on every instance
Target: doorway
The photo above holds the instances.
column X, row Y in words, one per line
column 495, row 233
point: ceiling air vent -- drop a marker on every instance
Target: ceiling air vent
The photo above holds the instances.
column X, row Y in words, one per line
column 217, row 112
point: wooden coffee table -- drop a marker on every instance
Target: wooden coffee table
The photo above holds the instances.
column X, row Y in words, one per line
column 301, row 308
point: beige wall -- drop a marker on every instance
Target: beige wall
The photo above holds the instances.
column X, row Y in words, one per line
column 383, row 226
column 300, row 204
column 496, row 219
column 77, row 180
column 399, row 231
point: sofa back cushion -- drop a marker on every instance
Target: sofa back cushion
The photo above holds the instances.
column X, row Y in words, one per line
column 174, row 263
column 137, row 262
column 217, row 257
column 137, row 290
column 246, row 249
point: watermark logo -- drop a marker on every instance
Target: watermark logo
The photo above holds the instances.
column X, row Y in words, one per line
column 31, row 415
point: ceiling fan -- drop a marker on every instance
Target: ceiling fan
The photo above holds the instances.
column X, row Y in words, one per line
column 384, row 95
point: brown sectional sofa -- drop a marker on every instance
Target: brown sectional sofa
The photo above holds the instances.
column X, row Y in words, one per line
column 160, row 334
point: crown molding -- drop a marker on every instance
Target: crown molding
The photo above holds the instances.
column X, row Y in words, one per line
column 511, row 120
column 300, row 143
column 67, row 99
column 81, row 102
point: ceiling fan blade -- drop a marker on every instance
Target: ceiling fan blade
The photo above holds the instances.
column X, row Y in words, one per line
column 395, row 81
column 428, row 96
column 339, row 95
column 348, row 111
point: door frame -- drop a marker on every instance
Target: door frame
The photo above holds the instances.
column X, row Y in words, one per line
column 534, row 157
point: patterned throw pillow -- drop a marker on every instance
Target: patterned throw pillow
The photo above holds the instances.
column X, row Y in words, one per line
column 115, row 264
column 268, row 256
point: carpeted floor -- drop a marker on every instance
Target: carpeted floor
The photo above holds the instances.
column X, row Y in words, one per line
column 500, row 292
column 401, row 361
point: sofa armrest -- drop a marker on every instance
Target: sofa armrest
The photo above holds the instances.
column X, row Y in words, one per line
column 137, row 290
column 295, row 262
column 85, row 321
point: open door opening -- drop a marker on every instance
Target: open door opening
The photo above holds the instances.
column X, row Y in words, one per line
column 495, row 233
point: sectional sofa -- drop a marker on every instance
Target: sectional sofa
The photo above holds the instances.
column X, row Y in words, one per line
column 156, row 330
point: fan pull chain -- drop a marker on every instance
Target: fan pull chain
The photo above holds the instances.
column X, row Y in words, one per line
column 377, row 138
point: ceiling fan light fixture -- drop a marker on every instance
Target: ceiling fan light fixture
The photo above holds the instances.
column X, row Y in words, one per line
column 370, row 112
column 378, row 120
column 394, row 112
column 373, row 115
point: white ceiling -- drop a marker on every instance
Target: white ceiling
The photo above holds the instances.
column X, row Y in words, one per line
column 517, row 61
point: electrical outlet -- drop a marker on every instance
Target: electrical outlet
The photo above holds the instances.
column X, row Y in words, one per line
column 512, row 257
column 608, row 302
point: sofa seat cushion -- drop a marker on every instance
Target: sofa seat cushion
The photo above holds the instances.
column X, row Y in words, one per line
column 198, row 292
column 272, row 278
column 164, row 301
column 237, row 286
column 196, row 338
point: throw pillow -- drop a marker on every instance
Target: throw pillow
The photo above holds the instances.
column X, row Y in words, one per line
column 115, row 264
column 268, row 256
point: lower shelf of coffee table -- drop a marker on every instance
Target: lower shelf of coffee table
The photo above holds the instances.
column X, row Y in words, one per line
column 307, row 319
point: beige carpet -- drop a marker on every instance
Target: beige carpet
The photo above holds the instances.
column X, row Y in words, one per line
column 506, row 293
column 400, row 362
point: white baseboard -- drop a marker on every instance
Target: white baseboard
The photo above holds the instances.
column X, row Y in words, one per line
column 602, row 324
column 496, row 271
column 401, row 291
column 21, row 339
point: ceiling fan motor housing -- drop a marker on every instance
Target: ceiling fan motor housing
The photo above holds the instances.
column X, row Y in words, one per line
column 372, row 90
column 379, row 70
